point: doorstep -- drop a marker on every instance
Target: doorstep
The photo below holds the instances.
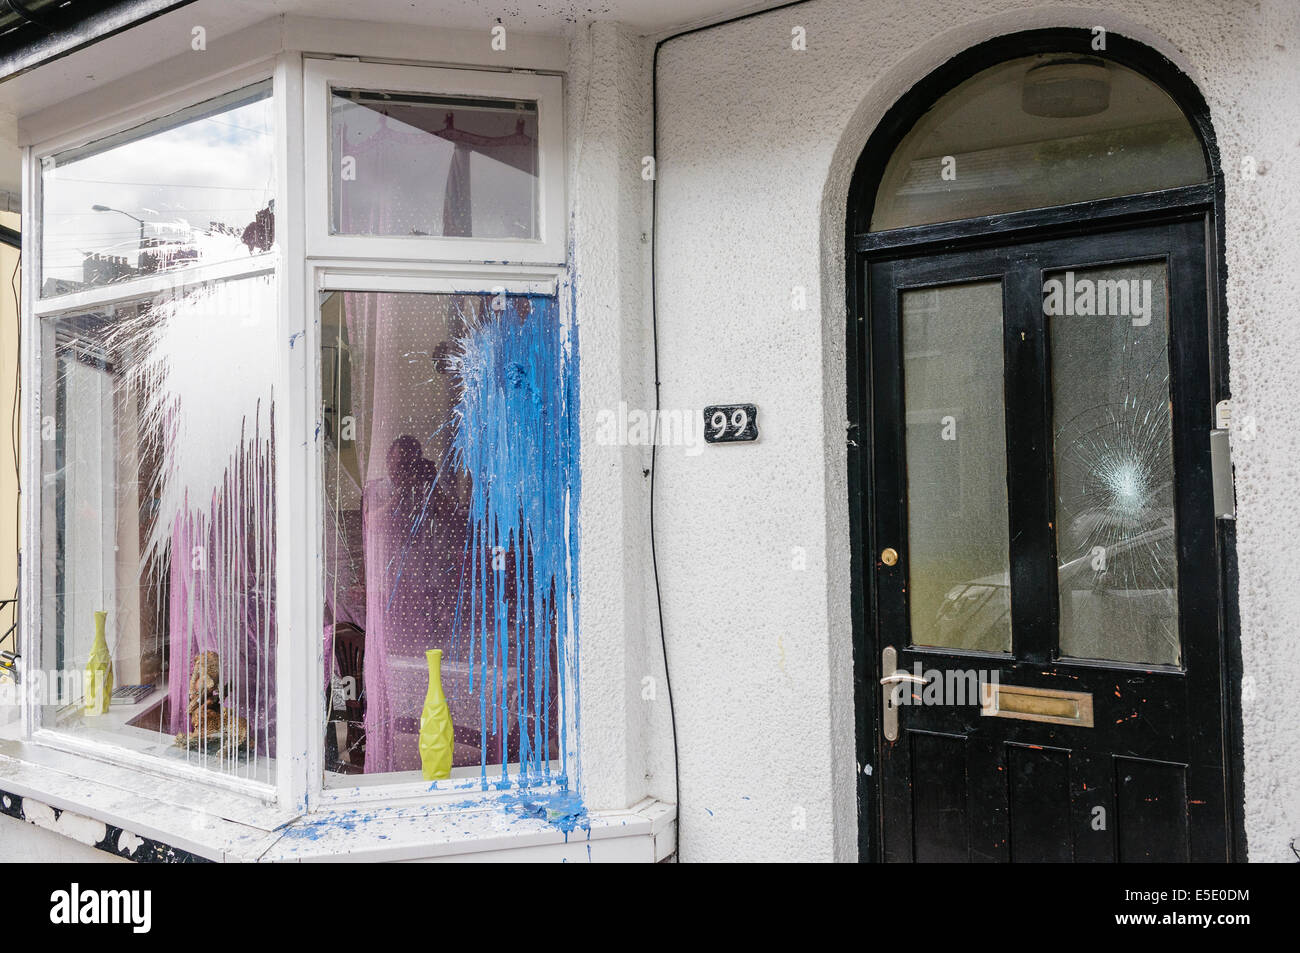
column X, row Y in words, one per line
column 152, row 818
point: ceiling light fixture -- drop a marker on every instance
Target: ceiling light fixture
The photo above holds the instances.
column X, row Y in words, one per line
column 1066, row 88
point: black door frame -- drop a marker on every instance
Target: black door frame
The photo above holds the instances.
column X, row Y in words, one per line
column 1195, row 203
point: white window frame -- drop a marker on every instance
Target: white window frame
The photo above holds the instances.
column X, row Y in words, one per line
column 321, row 76
column 397, row 277
column 37, row 313
column 306, row 261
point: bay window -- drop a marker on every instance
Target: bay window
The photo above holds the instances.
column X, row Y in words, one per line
column 296, row 428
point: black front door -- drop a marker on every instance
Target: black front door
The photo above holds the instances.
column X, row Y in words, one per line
column 1046, row 582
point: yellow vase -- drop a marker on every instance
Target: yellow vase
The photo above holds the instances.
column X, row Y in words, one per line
column 435, row 724
column 97, row 684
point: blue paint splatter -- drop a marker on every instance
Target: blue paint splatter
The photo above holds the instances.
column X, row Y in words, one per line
column 314, row 827
column 564, row 810
column 516, row 436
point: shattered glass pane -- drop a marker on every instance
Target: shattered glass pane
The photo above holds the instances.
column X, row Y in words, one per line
column 158, row 512
column 450, row 505
column 958, row 551
column 1116, row 542
column 194, row 188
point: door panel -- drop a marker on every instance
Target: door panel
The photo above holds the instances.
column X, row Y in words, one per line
column 955, row 442
column 940, row 811
column 1039, row 795
column 1042, row 473
column 1149, row 830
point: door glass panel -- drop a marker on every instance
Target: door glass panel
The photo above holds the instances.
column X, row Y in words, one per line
column 958, row 562
column 1118, row 585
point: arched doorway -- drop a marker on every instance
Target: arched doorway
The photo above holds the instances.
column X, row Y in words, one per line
column 1042, row 599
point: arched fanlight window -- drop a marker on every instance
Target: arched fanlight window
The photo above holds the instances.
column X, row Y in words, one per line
column 1038, row 131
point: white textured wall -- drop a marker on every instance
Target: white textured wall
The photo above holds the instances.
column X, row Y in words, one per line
column 757, row 146
column 608, row 99
column 1253, row 85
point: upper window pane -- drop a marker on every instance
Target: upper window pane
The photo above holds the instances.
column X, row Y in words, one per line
column 193, row 188
column 1035, row 132
column 415, row 165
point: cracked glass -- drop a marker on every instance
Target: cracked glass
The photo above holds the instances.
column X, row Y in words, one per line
column 1113, row 448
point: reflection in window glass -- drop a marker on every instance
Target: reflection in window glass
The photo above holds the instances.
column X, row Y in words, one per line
column 1118, row 588
column 958, row 552
column 195, row 187
column 450, row 510
column 1035, row 132
column 158, row 518
column 415, row 165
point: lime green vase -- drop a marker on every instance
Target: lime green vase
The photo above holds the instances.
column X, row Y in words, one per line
column 435, row 724
column 98, row 682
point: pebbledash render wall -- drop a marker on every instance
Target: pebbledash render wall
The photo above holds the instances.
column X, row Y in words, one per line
column 757, row 143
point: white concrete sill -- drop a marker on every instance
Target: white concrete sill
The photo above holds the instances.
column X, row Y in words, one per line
column 205, row 821
column 230, row 827
column 483, row 831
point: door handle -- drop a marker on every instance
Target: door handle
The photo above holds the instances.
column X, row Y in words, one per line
column 889, row 695
column 901, row 677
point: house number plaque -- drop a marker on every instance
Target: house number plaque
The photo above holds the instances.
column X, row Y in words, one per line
column 730, row 423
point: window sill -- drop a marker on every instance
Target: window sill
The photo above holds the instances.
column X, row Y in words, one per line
column 477, row 831
column 118, row 809
column 186, row 816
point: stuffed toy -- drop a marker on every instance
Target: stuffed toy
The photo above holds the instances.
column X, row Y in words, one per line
column 211, row 728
